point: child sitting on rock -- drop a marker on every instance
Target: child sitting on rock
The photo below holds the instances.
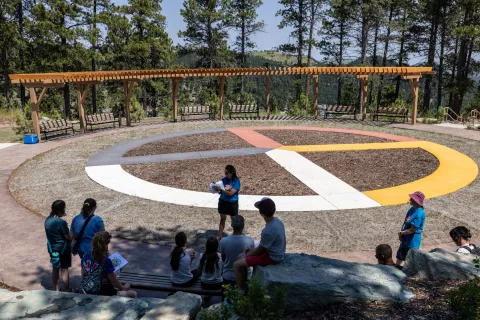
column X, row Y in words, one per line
column 180, row 260
column 211, row 266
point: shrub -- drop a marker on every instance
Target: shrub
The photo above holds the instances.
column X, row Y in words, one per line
column 256, row 305
column 22, row 124
column 136, row 111
column 465, row 301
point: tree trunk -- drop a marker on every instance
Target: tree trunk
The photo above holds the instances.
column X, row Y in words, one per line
column 454, row 69
column 385, row 52
column 6, row 80
column 363, row 50
column 340, row 63
column 66, row 88
column 431, row 60
column 21, row 53
column 94, row 48
column 243, row 35
column 442, row 58
column 402, row 52
column 300, row 20
column 313, row 13
column 374, row 62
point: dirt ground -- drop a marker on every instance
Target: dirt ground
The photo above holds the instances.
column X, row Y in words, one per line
column 259, row 174
column 310, row 232
column 191, row 143
column 429, row 304
column 306, row 137
column 376, row 169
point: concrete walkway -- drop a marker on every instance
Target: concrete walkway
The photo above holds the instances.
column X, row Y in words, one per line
column 467, row 134
column 24, row 260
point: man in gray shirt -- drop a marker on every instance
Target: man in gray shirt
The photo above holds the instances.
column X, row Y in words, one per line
column 272, row 245
column 232, row 246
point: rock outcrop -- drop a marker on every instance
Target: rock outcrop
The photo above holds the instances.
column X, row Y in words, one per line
column 440, row 264
column 311, row 281
column 46, row 304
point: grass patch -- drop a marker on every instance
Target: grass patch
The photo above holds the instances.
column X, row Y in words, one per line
column 9, row 135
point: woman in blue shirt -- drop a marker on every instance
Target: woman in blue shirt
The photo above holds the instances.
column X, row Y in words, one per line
column 228, row 202
column 411, row 234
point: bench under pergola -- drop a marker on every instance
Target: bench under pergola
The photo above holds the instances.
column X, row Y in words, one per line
column 83, row 81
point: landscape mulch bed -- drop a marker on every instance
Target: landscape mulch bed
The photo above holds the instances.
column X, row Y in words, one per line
column 258, row 175
column 376, row 169
column 429, row 304
column 191, row 143
column 310, row 137
column 9, row 288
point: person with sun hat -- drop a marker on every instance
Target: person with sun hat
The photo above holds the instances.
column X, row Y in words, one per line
column 411, row 234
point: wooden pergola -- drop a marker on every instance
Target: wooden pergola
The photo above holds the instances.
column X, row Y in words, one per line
column 83, row 81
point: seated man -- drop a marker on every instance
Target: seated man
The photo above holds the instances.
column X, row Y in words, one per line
column 233, row 246
column 383, row 253
column 272, row 246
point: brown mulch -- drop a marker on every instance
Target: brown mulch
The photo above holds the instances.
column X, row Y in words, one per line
column 191, row 143
column 9, row 288
column 429, row 304
column 259, row 174
column 307, row 137
column 376, row 169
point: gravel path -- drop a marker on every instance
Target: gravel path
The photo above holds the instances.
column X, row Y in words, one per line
column 197, row 142
column 259, row 174
column 305, row 137
column 376, row 169
column 312, row 232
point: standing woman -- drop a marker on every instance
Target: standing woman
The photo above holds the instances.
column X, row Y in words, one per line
column 411, row 234
column 87, row 222
column 228, row 202
column 58, row 244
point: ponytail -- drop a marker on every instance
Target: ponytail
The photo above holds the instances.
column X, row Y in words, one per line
column 178, row 253
column 88, row 205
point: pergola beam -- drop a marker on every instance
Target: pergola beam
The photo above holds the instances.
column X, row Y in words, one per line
column 364, row 88
column 267, row 98
column 315, row 97
column 221, row 91
column 81, row 96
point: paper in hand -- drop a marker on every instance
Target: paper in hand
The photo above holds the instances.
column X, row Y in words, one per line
column 118, row 261
column 218, row 184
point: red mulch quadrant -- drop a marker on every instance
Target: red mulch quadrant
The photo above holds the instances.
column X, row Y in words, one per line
column 307, row 137
column 376, row 169
column 191, row 143
column 258, row 175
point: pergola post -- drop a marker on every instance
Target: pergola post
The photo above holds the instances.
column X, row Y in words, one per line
column 414, row 86
column 175, row 83
column 315, row 97
column 35, row 103
column 81, row 96
column 267, row 98
column 222, row 87
column 364, row 88
column 128, row 89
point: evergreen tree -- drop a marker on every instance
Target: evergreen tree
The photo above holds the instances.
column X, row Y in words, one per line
column 206, row 34
column 8, row 41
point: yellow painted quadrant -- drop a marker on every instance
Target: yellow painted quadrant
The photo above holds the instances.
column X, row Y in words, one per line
column 454, row 172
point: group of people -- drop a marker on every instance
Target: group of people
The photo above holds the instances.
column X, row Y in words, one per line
column 226, row 260
column 87, row 238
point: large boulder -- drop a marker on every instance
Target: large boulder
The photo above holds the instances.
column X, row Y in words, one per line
column 312, row 281
column 61, row 305
column 180, row 306
column 440, row 264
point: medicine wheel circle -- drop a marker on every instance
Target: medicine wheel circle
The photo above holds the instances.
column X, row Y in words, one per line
column 301, row 165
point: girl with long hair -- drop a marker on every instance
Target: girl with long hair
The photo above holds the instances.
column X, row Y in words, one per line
column 58, row 244
column 228, row 202
column 180, row 261
column 98, row 258
column 461, row 236
column 93, row 224
column 211, row 266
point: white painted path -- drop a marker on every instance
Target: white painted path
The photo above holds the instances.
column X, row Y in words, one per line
column 6, row 145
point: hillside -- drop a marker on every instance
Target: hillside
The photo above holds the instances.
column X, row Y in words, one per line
column 286, row 60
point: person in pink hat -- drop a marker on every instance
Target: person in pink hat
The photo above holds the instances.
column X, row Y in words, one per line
column 411, row 234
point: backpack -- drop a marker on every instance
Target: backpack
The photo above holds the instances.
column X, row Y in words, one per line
column 92, row 282
column 475, row 250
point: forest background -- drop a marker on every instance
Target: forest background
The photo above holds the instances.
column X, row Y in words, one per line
column 88, row 35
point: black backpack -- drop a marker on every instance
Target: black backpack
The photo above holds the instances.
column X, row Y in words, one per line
column 475, row 250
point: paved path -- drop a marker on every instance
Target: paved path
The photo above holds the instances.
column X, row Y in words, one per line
column 24, row 261
column 468, row 134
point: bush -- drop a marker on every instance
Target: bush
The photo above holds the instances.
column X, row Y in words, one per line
column 136, row 111
column 257, row 305
column 465, row 301
column 23, row 125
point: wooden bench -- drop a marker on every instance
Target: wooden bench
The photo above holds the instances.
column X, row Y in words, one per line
column 48, row 126
column 244, row 108
column 162, row 283
column 100, row 118
column 340, row 110
column 391, row 113
column 197, row 111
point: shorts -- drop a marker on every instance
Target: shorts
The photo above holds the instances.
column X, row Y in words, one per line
column 195, row 273
column 263, row 260
column 61, row 260
column 402, row 251
column 228, row 208
column 212, row 286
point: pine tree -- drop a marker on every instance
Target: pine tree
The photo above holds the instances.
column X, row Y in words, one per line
column 8, row 40
column 207, row 33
